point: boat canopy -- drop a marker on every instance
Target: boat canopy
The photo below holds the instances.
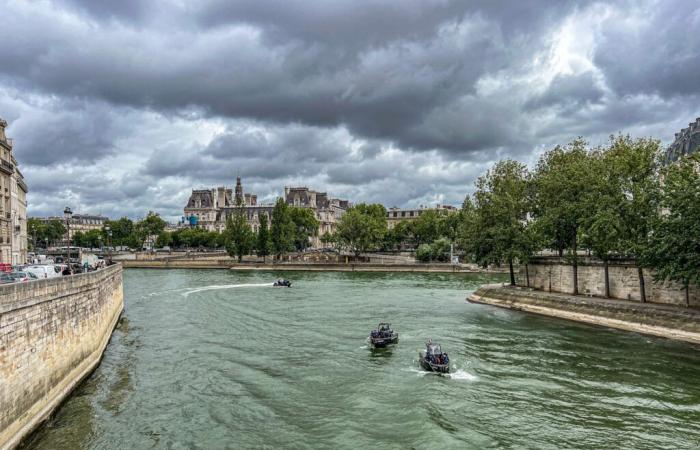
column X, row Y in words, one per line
column 434, row 349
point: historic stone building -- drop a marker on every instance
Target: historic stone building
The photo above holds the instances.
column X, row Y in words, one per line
column 687, row 141
column 209, row 208
column 396, row 215
column 13, row 205
column 328, row 210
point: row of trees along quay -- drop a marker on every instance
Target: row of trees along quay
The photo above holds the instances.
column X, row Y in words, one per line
column 614, row 201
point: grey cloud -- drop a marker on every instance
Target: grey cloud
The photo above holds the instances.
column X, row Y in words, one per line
column 658, row 52
column 125, row 106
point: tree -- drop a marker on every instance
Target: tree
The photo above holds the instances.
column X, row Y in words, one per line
column 151, row 225
column 165, row 239
column 362, row 228
column 263, row 243
column 122, row 232
column 282, row 229
column 424, row 253
column 239, row 236
column 601, row 229
column 636, row 168
column 427, row 227
column 55, row 231
column 305, row 226
column 562, row 194
column 497, row 221
column 674, row 245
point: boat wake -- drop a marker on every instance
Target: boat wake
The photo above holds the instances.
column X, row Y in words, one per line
column 462, row 375
column 224, row 286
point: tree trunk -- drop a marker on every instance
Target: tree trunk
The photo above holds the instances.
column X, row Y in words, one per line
column 607, row 278
column 512, row 274
column 527, row 275
column 687, row 296
column 642, row 291
column 575, row 268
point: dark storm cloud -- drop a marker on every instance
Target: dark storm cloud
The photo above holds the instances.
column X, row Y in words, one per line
column 378, row 68
column 659, row 53
column 397, row 101
column 568, row 91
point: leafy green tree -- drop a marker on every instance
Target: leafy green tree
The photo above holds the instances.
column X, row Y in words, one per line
column 362, row 228
column 122, row 232
column 440, row 249
column 562, row 194
column 151, row 225
column 78, row 239
column 674, row 244
column 305, row 226
column 496, row 228
column 55, row 231
column 263, row 244
column 427, row 227
column 424, row 253
column 601, row 230
column 165, row 239
column 282, row 229
column 239, row 235
column 636, row 168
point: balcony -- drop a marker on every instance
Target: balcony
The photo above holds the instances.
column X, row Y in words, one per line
column 7, row 167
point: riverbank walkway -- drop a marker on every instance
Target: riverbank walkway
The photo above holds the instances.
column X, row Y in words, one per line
column 669, row 321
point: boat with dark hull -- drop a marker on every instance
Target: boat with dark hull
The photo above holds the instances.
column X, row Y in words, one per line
column 383, row 336
column 434, row 359
column 282, row 283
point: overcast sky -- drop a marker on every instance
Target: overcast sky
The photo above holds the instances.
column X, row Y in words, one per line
column 120, row 107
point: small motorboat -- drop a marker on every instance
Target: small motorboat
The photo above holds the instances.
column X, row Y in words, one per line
column 282, row 283
column 383, row 336
column 433, row 358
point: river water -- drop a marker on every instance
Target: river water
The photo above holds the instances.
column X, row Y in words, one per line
column 217, row 359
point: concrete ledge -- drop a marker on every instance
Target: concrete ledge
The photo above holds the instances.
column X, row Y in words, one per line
column 666, row 321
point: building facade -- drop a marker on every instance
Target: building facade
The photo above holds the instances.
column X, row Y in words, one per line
column 396, row 215
column 13, row 205
column 687, row 141
column 78, row 222
column 328, row 210
column 209, row 208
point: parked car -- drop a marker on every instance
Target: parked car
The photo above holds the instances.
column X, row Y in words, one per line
column 24, row 276
column 6, row 278
column 44, row 271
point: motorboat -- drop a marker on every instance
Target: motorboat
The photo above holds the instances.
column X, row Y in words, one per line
column 383, row 336
column 282, row 283
column 434, row 359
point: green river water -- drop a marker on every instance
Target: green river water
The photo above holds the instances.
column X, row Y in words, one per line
column 217, row 359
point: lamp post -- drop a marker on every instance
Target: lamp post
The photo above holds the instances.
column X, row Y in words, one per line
column 67, row 213
column 109, row 245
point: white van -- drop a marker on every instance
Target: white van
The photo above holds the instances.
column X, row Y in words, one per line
column 44, row 271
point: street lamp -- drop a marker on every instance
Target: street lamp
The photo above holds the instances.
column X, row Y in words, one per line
column 67, row 213
column 108, row 229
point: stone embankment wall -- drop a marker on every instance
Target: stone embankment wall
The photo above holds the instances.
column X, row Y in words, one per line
column 653, row 319
column 306, row 266
column 52, row 334
column 553, row 274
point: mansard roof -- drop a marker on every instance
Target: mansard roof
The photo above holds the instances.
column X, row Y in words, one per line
column 687, row 141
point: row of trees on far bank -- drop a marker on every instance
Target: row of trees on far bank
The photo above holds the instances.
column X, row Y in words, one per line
column 614, row 201
column 290, row 229
column 124, row 232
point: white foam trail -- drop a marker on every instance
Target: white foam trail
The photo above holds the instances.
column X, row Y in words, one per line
column 224, row 286
column 463, row 375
